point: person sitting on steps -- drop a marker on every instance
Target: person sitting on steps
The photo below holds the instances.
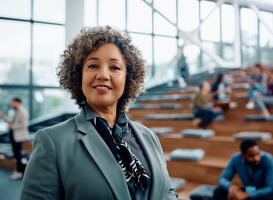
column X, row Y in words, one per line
column 261, row 101
column 257, row 85
column 202, row 114
column 221, row 91
column 255, row 169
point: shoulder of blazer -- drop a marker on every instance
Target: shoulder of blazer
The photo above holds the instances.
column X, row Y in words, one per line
column 67, row 127
column 144, row 129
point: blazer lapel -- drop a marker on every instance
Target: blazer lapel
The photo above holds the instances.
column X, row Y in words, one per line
column 103, row 157
column 152, row 156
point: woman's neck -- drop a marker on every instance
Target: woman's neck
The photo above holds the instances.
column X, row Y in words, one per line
column 108, row 113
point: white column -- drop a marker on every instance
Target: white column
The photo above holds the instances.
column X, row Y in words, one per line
column 74, row 18
column 74, row 23
column 237, row 39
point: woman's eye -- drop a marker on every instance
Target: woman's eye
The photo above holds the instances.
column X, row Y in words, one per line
column 92, row 66
column 116, row 68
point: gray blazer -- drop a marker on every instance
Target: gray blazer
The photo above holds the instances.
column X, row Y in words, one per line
column 20, row 125
column 71, row 161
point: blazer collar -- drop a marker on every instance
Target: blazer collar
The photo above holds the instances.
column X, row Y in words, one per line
column 97, row 149
column 152, row 155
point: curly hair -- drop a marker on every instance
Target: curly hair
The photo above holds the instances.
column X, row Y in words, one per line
column 69, row 71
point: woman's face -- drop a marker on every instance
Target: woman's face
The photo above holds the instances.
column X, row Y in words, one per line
column 256, row 70
column 104, row 76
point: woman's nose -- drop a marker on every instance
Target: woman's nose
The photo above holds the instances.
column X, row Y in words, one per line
column 103, row 74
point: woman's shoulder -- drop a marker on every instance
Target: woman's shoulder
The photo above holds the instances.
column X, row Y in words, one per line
column 144, row 129
column 61, row 128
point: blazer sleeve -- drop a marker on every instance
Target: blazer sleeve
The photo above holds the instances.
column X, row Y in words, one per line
column 21, row 122
column 172, row 195
column 42, row 179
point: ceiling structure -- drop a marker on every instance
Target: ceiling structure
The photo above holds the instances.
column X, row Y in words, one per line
column 266, row 5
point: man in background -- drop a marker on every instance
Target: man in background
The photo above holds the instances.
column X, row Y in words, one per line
column 255, row 169
column 18, row 132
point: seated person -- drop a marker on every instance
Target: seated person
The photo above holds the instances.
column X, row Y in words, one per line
column 261, row 101
column 203, row 115
column 255, row 169
column 221, row 91
column 257, row 84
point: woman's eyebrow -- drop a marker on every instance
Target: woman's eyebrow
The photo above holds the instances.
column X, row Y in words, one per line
column 93, row 59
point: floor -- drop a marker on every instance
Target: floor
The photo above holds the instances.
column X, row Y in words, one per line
column 9, row 190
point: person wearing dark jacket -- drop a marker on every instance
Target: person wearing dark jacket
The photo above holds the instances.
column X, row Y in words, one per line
column 220, row 91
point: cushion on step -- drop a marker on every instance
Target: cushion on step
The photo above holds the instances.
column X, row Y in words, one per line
column 203, row 192
column 218, row 118
column 142, row 106
column 187, row 154
column 178, row 183
column 165, row 97
column 170, row 116
column 162, row 130
column 170, row 106
column 253, row 135
column 258, row 118
column 201, row 133
column 140, row 122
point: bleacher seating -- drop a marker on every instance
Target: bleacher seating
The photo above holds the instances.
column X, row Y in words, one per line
column 218, row 148
column 169, row 107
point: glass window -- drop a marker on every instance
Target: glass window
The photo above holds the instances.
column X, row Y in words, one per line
column 164, row 51
column 137, row 22
column 210, row 29
column 47, row 101
column 207, row 61
column 249, row 27
column 266, row 56
column 249, row 56
column 144, row 43
column 48, row 44
column 188, row 9
column 112, row 13
column 167, row 8
column 192, row 55
column 228, row 54
column 90, row 13
column 49, row 11
column 15, row 52
column 266, row 37
column 15, row 9
column 228, row 23
column 6, row 95
column 163, row 27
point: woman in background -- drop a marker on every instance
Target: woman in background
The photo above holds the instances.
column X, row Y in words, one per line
column 261, row 101
column 221, row 91
column 257, row 85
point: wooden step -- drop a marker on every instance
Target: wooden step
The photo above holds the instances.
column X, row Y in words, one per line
column 221, row 128
column 206, row 171
column 241, row 102
column 230, row 114
column 217, row 146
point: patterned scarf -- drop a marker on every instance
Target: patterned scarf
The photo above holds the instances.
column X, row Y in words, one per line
column 134, row 172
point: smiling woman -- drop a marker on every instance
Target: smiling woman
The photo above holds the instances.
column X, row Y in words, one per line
column 100, row 153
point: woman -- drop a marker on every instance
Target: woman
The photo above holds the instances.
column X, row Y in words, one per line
column 100, row 153
column 261, row 101
column 221, row 91
column 257, row 85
